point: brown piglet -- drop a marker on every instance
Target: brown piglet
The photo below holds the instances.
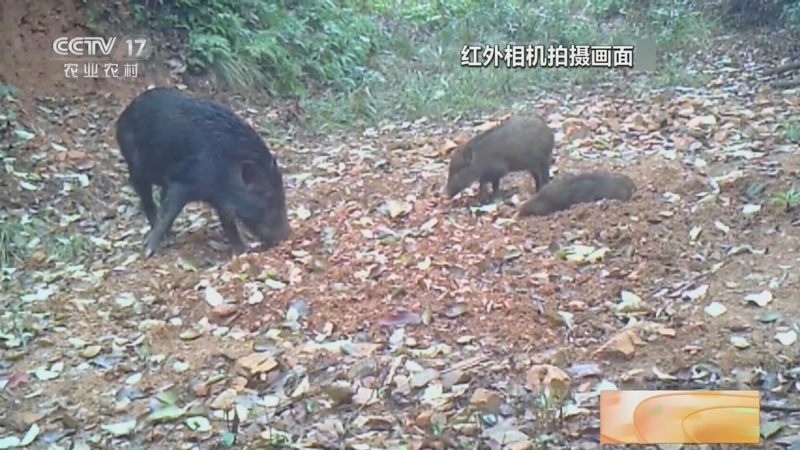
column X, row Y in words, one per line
column 520, row 144
column 571, row 189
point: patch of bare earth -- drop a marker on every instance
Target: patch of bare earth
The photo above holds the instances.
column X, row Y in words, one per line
column 27, row 34
column 396, row 317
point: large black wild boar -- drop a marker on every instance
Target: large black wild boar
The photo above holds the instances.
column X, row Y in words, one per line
column 198, row 150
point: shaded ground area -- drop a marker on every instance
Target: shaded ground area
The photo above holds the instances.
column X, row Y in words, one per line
column 27, row 34
column 393, row 316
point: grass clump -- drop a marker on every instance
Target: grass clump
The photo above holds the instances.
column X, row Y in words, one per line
column 788, row 199
column 420, row 72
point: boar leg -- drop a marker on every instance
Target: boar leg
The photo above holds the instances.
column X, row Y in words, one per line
column 483, row 195
column 537, row 179
column 495, row 188
column 541, row 175
column 544, row 174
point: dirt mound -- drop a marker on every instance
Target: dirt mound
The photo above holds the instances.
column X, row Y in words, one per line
column 27, row 33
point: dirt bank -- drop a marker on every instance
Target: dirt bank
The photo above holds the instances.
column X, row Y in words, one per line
column 27, row 34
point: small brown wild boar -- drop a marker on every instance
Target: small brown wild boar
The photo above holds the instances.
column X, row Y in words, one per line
column 519, row 144
column 571, row 189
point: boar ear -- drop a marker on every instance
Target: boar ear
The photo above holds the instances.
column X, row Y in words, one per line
column 249, row 172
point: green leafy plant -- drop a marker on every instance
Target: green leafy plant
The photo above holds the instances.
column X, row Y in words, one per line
column 788, row 198
column 281, row 45
column 790, row 133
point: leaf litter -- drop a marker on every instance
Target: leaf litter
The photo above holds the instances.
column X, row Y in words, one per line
column 395, row 318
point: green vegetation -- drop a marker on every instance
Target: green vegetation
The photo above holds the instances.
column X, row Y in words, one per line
column 360, row 61
column 21, row 236
column 23, row 231
column 365, row 60
column 788, row 199
column 790, row 132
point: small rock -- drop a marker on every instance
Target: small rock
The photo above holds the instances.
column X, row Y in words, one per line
column 224, row 310
column 375, row 423
column 238, row 384
column 486, row 401
column 340, row 392
column 257, row 363
column 467, row 429
column 421, row 379
column 364, row 396
column 463, row 340
column 200, row 389
column 453, row 378
column 521, row 445
column 371, row 382
column 423, row 419
column 224, row 400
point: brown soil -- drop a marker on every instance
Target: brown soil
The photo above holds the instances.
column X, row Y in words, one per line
column 27, row 34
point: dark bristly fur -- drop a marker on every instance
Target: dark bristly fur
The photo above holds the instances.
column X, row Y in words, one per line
column 519, row 144
column 570, row 189
column 198, row 150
